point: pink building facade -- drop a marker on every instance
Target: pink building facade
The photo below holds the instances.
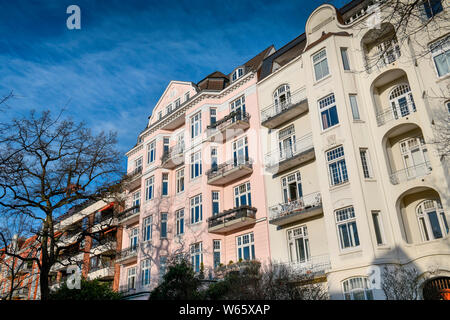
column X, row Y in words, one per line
column 196, row 181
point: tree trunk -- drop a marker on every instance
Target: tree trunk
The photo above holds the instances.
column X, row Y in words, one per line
column 43, row 281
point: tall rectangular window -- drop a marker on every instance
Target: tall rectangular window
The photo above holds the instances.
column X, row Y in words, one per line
column 378, row 227
column 134, row 239
column 242, row 195
column 216, row 252
column 346, row 227
column 169, row 109
column 344, row 56
column 212, row 115
column 164, row 225
column 440, row 50
column 166, row 144
column 180, row 221
column 187, row 96
column 214, row 158
column 147, row 228
column 196, row 256
column 145, row 272
column 320, row 65
column 336, row 166
column 354, row 106
column 162, row 266
column 432, row 7
column 160, row 115
column 196, row 164
column 240, row 151
column 138, row 164
column 165, row 184
column 328, row 112
column 196, row 209
column 196, row 125
column 245, row 247
column 137, row 200
column 131, row 281
column 215, row 202
column 149, row 187
column 180, row 180
column 365, row 163
column 151, row 152
column 177, row 103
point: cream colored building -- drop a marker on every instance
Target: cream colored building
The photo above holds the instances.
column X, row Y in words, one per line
column 353, row 182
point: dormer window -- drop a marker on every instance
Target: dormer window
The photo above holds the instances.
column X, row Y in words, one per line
column 239, row 72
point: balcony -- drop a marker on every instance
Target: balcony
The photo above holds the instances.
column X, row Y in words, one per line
column 286, row 213
column 232, row 219
column 229, row 171
column 410, row 173
column 20, row 294
column 134, row 179
column 389, row 114
column 130, row 215
column 300, row 152
column 388, row 52
column 101, row 273
column 127, row 255
column 316, row 265
column 279, row 113
column 228, row 127
column 174, row 157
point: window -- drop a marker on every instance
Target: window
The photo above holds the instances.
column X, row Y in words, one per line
column 166, row 143
column 196, row 256
column 336, row 166
column 134, row 239
column 94, row 263
column 238, row 106
column 346, row 226
column 180, row 221
column 432, row 7
column 169, row 109
column 328, row 112
column 159, row 115
column 187, row 96
column 163, row 225
column 344, row 56
column 196, row 209
column 149, row 182
column 180, row 180
column 432, row 220
column 151, row 152
column 165, row 184
column 354, row 106
column 282, row 98
column 440, row 52
column 357, row 289
column 401, row 101
column 214, row 158
column 245, row 247
column 237, row 74
column 286, row 142
column 177, row 103
column 212, row 115
column 145, row 272
column 415, row 157
column 162, row 266
column 196, row 164
column 131, row 284
column 365, row 163
column 240, row 151
column 215, row 202
column 242, row 195
column 378, row 227
column 298, row 243
column 216, row 252
column 291, row 186
column 137, row 200
column 147, row 231
column 320, row 65
column 138, row 164
column 196, row 125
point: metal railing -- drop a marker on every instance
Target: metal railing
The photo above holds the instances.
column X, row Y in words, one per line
column 135, row 173
column 389, row 114
column 315, row 265
column 384, row 58
column 172, row 152
column 128, row 252
column 129, row 212
column 227, row 166
column 410, row 173
column 232, row 117
column 278, row 108
column 301, row 145
column 308, row 201
column 232, row 214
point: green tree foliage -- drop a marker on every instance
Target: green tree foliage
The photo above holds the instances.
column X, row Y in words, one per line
column 90, row 290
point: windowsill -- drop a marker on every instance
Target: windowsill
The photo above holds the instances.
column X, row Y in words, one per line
column 322, row 80
column 383, row 247
column 330, row 128
column 358, row 121
column 370, row 179
column 196, row 223
column 340, row 186
column 195, row 179
column 179, row 193
column 443, row 78
column 349, row 251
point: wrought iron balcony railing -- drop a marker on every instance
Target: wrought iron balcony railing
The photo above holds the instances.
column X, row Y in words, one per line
column 232, row 117
column 311, row 265
column 385, row 57
column 222, row 168
column 129, row 252
column 389, row 114
column 302, row 204
column 173, row 152
column 276, row 109
column 232, row 214
column 275, row 157
column 410, row 173
column 129, row 212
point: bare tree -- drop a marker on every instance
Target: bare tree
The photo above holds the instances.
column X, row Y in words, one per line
column 49, row 164
column 400, row 283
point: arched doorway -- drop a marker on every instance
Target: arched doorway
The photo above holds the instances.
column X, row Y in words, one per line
column 437, row 289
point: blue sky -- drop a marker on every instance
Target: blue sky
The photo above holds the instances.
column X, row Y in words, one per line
column 111, row 73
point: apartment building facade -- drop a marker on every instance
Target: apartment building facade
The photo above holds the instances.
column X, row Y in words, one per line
column 352, row 181
column 197, row 185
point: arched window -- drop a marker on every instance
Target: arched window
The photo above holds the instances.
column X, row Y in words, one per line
column 432, row 220
column 282, row 98
column 401, row 100
column 357, row 288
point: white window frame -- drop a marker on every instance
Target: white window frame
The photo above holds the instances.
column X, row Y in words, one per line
column 345, row 59
column 165, row 180
column 441, row 47
column 376, row 215
column 145, row 272
column 337, row 155
column 196, row 125
column 147, row 229
column 238, row 73
column 423, row 210
column 366, row 163
column 164, row 222
column 242, row 190
column 217, row 247
column 244, row 241
column 180, row 180
column 325, row 105
column 196, row 251
column 149, row 188
column 319, row 58
column 215, row 198
column 346, row 217
column 195, row 202
column 354, row 106
column 151, row 152
column 131, row 278
column 180, row 221
column 294, row 234
column 196, row 159
column 350, row 287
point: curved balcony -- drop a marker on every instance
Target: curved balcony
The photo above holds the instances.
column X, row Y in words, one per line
column 130, row 215
column 410, row 173
column 228, row 127
column 174, row 157
column 296, row 210
column 229, row 171
column 301, row 151
column 279, row 113
column 233, row 219
column 127, row 255
column 390, row 114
